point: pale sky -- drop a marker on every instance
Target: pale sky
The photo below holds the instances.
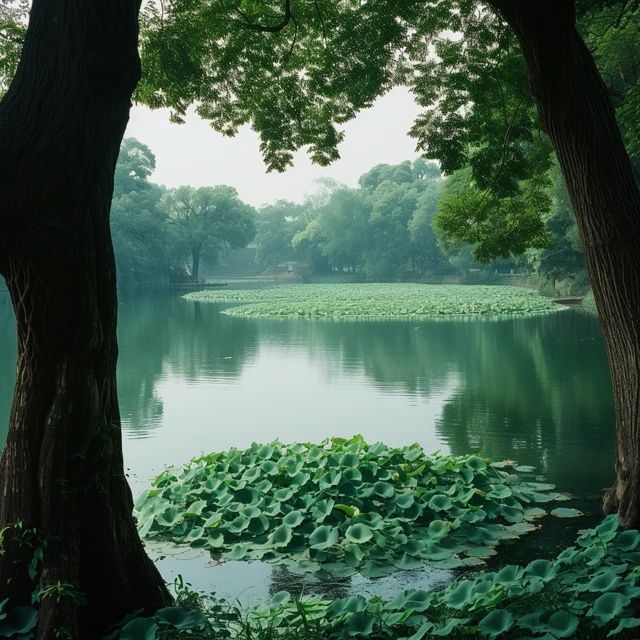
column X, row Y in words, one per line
column 194, row 154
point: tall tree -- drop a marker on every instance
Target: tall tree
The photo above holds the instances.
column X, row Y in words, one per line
column 207, row 221
column 61, row 470
column 276, row 225
column 340, row 230
column 576, row 113
column 477, row 46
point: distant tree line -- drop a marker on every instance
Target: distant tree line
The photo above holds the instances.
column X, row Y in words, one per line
column 159, row 232
column 403, row 221
column 407, row 221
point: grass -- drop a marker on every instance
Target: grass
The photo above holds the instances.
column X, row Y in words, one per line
column 378, row 300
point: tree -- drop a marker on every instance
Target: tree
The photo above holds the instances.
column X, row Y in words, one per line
column 61, row 471
column 577, row 115
column 496, row 227
column 276, row 225
column 340, row 230
column 425, row 251
column 395, row 193
column 295, row 74
column 141, row 235
column 563, row 259
column 207, row 221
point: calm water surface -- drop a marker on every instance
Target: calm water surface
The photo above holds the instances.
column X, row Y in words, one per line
column 194, row 380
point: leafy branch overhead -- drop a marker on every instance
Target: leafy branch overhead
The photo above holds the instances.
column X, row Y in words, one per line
column 297, row 71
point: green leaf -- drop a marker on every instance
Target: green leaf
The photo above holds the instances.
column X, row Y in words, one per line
column 609, row 606
column 169, row 517
column 139, row 629
column 628, row 540
column 624, row 623
column 439, row 528
column 293, row 519
column 358, row 533
column 360, row 624
column 279, row 598
column 238, row 524
column 195, row 509
column 180, row 618
column 281, row 536
column 563, row 512
column 496, row 623
column 606, row 580
column 440, row 503
column 18, row 620
column 563, row 624
column 459, row 596
column 323, row 537
column 542, row 569
column 383, row 489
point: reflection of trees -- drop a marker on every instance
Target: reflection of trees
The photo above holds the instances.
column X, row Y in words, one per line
column 7, row 360
column 304, row 583
column 160, row 335
column 534, row 389
column 538, row 391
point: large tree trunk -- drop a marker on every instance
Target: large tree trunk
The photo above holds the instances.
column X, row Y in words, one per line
column 576, row 113
column 61, row 471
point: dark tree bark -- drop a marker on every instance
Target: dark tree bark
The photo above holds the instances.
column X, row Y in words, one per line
column 61, row 471
column 196, row 251
column 575, row 111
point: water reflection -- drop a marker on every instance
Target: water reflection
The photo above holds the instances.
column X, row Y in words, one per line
column 192, row 380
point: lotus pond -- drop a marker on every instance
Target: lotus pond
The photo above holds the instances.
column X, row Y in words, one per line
column 589, row 590
column 531, row 388
column 345, row 507
column 378, row 300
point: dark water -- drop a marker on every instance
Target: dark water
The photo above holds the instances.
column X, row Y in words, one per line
column 191, row 380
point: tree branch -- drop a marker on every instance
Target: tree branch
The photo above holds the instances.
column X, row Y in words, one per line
column 276, row 27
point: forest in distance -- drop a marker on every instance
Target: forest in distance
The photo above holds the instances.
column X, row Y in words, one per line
column 400, row 223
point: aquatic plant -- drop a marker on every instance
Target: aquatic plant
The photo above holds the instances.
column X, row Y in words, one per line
column 378, row 300
column 590, row 590
column 344, row 506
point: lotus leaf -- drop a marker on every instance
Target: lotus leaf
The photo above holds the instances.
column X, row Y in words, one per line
column 496, row 623
column 378, row 497
column 609, row 606
column 323, row 537
column 358, row 533
column 564, row 512
column 139, row 629
column 180, row 618
column 281, row 536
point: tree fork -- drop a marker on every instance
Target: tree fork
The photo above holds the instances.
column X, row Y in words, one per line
column 576, row 112
column 61, row 472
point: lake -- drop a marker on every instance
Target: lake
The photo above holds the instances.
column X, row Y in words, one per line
column 194, row 380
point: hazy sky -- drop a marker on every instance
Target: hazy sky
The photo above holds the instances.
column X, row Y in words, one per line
column 195, row 154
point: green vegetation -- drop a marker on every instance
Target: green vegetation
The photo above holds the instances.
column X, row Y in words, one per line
column 379, row 300
column 295, row 71
column 405, row 221
column 158, row 232
column 590, row 590
column 344, row 506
